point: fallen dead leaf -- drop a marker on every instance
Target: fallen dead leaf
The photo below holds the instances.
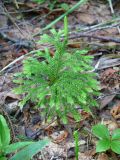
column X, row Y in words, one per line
column 87, row 18
column 115, row 112
column 106, row 100
column 102, row 156
column 12, row 97
column 61, row 137
column 49, row 130
column 112, row 126
column 91, row 152
column 74, row 45
column 110, row 78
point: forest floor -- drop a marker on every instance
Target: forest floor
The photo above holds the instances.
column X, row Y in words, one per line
column 20, row 30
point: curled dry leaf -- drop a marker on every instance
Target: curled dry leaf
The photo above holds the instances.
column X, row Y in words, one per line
column 49, row 130
column 110, row 78
column 115, row 112
column 74, row 45
column 102, row 156
column 112, row 126
column 91, row 152
column 11, row 97
column 61, row 137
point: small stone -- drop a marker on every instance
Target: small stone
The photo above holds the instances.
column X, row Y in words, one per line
column 71, row 152
column 11, row 108
column 30, row 133
column 36, row 119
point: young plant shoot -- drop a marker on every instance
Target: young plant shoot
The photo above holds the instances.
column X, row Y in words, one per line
column 59, row 83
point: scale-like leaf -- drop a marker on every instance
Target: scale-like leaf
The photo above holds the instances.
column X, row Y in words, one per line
column 62, row 81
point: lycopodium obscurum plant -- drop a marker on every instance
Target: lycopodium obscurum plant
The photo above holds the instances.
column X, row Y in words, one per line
column 61, row 82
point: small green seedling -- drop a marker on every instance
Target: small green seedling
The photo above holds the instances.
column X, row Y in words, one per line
column 107, row 141
column 51, row 4
column 76, row 140
column 26, row 150
column 60, row 83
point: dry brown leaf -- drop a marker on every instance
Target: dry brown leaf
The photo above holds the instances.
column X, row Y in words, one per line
column 12, row 97
column 115, row 112
column 112, row 126
column 49, row 130
column 91, row 152
column 61, row 137
column 86, row 18
column 102, row 156
column 110, row 78
column 106, row 100
column 74, row 45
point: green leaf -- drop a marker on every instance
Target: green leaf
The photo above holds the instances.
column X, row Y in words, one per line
column 28, row 152
column 39, row 1
column 65, row 6
column 103, row 145
column 4, row 132
column 3, row 158
column 64, row 119
column 15, row 146
column 115, row 146
column 116, row 134
column 101, row 131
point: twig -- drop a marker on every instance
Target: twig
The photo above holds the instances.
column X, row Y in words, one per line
column 103, row 96
column 16, row 4
column 19, row 42
column 104, row 27
column 99, row 26
column 16, row 60
column 113, row 13
column 103, row 38
column 111, row 6
column 12, row 20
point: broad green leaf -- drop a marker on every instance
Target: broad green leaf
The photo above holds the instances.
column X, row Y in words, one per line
column 3, row 158
column 103, row 145
column 4, row 132
column 15, row 146
column 115, row 146
column 101, row 131
column 28, row 152
column 116, row 134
